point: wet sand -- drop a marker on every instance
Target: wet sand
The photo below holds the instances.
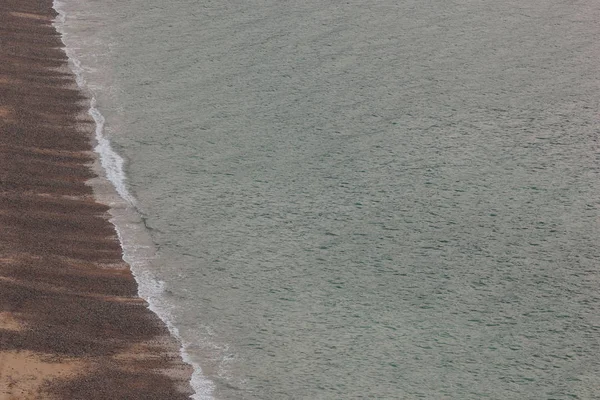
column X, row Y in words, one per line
column 71, row 324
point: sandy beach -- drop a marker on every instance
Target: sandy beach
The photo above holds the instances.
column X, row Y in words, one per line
column 71, row 323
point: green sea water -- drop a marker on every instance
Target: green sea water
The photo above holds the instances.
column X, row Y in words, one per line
column 363, row 199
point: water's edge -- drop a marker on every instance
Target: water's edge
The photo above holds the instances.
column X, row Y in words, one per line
column 110, row 188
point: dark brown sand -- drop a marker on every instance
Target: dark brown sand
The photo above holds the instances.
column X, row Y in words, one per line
column 71, row 324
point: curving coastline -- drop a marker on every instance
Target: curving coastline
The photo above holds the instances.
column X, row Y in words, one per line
column 71, row 323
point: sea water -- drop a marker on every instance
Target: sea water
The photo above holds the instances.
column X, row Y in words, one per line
column 353, row 199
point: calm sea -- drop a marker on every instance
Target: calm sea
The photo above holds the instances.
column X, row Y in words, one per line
column 391, row 199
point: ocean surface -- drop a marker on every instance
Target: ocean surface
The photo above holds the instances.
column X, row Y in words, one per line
column 358, row 199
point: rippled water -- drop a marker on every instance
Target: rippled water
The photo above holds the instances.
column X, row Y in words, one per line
column 391, row 199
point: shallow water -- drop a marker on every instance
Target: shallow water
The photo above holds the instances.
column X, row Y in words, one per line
column 354, row 200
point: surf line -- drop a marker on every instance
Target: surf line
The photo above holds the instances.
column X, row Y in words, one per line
column 112, row 165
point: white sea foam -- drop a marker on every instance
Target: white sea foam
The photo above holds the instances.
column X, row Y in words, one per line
column 112, row 163
column 136, row 255
column 151, row 289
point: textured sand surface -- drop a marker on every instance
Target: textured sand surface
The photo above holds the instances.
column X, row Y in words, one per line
column 71, row 324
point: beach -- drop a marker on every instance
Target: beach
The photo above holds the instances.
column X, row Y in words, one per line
column 320, row 200
column 71, row 323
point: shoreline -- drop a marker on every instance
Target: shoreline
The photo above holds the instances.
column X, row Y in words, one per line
column 72, row 324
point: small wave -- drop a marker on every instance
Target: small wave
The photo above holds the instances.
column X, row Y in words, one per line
column 112, row 163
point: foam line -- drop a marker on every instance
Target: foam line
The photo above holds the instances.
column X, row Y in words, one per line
column 112, row 163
